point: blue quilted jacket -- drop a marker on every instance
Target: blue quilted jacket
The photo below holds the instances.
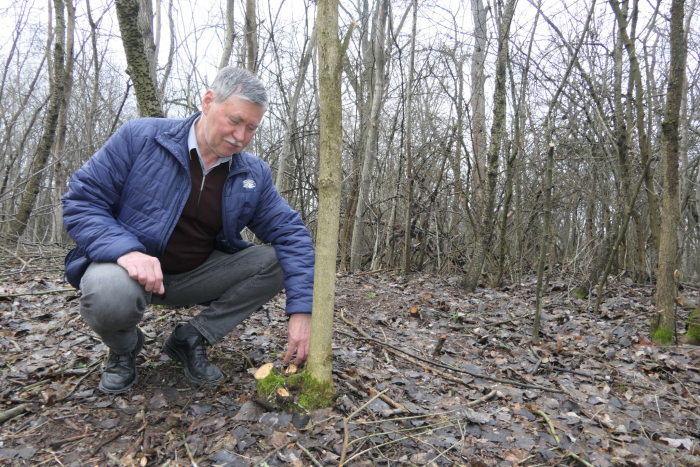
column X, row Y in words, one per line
column 130, row 194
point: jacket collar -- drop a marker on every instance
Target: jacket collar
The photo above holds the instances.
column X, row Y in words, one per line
column 175, row 139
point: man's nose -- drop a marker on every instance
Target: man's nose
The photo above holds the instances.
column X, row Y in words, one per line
column 239, row 132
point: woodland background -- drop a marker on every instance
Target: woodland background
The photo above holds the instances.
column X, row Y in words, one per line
column 415, row 133
column 481, row 143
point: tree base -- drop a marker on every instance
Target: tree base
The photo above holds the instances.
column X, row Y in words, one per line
column 662, row 336
column 693, row 334
column 580, row 293
column 293, row 393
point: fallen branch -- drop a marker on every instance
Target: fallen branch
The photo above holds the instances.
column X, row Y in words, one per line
column 41, row 292
column 12, row 413
column 445, row 375
column 402, row 353
column 486, row 325
column 374, row 271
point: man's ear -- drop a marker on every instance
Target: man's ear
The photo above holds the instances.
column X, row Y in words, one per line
column 207, row 101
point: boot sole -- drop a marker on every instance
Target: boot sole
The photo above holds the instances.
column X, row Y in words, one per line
column 174, row 355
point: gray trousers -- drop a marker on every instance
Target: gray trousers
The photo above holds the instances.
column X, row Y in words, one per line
column 112, row 303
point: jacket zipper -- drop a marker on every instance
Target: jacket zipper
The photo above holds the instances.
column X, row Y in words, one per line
column 170, row 226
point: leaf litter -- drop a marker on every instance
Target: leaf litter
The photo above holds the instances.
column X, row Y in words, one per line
column 595, row 392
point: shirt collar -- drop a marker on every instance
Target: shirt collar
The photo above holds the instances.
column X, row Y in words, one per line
column 192, row 144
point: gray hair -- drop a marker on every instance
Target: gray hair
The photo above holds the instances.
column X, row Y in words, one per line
column 241, row 83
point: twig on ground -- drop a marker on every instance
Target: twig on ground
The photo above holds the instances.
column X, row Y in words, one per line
column 549, row 424
column 345, row 426
column 485, row 398
column 61, row 442
column 92, row 369
column 293, row 439
column 571, row 454
column 189, row 453
column 136, row 444
column 373, row 392
column 539, row 361
column 104, row 443
column 306, row 451
column 438, row 345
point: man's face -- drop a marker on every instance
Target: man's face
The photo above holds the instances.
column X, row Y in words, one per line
column 230, row 125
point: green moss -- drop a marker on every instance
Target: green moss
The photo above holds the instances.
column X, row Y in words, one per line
column 315, row 394
column 296, row 381
column 663, row 336
column 273, row 381
column 580, row 293
column 694, row 328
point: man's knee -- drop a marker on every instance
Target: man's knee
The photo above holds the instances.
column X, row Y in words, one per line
column 111, row 300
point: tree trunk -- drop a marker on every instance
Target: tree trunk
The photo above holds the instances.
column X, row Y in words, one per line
column 545, row 245
column 666, row 287
column 485, row 228
column 292, row 115
column 149, row 45
column 251, row 36
column 59, row 175
column 407, row 147
column 230, row 35
column 330, row 52
column 372, row 139
column 478, row 104
column 36, row 170
column 137, row 62
column 91, row 116
column 171, row 51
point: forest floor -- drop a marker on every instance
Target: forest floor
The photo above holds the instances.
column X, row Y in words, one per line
column 594, row 392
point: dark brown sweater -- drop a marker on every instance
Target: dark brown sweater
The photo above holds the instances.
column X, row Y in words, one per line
column 194, row 236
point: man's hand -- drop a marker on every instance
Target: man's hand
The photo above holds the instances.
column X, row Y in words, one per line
column 145, row 269
column 298, row 331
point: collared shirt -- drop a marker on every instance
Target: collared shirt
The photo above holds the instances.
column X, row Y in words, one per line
column 192, row 144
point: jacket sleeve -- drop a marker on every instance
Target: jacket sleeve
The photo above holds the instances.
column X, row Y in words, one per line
column 91, row 205
column 275, row 222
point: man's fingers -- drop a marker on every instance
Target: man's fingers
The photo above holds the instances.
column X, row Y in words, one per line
column 145, row 269
column 290, row 353
column 302, row 353
column 133, row 272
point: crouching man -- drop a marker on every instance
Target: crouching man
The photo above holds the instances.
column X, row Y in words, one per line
column 156, row 215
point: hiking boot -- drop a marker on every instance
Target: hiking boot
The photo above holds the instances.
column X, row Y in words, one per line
column 119, row 372
column 190, row 351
